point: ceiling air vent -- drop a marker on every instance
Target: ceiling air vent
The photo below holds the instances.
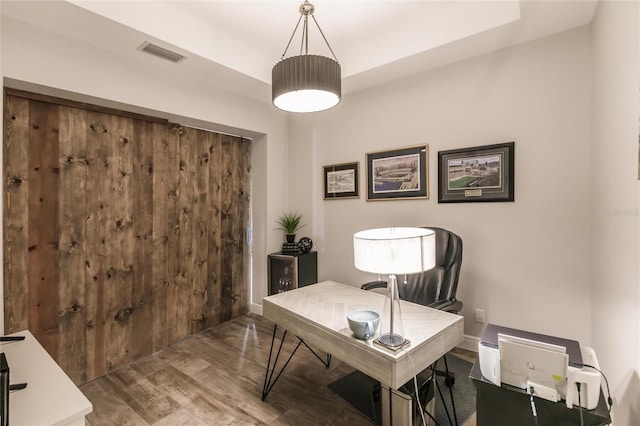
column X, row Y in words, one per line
column 161, row 52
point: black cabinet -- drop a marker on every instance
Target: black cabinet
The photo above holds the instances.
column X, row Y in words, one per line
column 289, row 271
column 508, row 405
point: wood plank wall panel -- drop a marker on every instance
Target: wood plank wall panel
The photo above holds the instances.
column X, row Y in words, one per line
column 227, row 232
column 181, row 324
column 120, row 244
column 43, row 230
column 72, row 145
column 98, row 216
column 235, row 203
column 242, row 203
column 199, row 281
column 214, row 255
column 173, row 222
column 142, row 299
column 122, row 235
column 165, row 184
column 15, row 223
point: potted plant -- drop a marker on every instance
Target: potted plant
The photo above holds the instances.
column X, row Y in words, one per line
column 290, row 223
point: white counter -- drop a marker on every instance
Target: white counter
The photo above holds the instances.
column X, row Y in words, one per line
column 50, row 398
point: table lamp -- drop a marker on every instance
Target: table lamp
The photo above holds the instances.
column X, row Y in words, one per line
column 394, row 251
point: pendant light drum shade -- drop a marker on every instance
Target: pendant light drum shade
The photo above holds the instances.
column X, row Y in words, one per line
column 306, row 83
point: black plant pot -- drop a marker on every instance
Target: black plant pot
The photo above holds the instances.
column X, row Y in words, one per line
column 291, row 238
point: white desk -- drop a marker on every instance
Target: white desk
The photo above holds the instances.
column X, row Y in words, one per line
column 50, row 398
column 318, row 315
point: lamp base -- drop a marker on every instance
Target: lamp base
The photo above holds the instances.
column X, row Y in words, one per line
column 394, row 342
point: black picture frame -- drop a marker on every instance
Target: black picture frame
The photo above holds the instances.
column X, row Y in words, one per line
column 398, row 174
column 340, row 181
column 478, row 174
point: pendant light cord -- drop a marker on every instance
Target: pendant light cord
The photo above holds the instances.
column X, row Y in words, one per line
column 325, row 39
column 305, row 35
column 292, row 35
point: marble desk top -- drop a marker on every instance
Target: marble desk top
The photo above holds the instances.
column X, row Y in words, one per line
column 318, row 314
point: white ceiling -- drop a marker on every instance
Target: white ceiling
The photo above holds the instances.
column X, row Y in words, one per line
column 233, row 44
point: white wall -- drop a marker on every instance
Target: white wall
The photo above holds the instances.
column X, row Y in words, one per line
column 78, row 71
column 525, row 263
column 616, row 230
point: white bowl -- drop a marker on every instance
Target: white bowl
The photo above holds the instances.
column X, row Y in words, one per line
column 363, row 323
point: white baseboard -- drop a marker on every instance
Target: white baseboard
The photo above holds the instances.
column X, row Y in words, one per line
column 469, row 343
column 254, row 308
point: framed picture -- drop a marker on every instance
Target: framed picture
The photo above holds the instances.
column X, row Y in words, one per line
column 341, row 181
column 483, row 173
column 398, row 174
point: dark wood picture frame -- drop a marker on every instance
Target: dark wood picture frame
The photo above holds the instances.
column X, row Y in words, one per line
column 401, row 173
column 478, row 174
column 340, row 181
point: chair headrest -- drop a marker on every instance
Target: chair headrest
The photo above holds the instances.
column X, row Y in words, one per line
column 447, row 246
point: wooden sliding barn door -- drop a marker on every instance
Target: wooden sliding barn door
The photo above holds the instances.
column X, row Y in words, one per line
column 122, row 234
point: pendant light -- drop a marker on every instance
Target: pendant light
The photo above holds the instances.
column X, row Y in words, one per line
column 306, row 83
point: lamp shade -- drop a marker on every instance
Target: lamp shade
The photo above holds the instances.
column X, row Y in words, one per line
column 306, row 83
column 394, row 250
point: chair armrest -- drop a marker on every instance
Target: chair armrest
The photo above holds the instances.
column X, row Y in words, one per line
column 454, row 306
column 374, row 284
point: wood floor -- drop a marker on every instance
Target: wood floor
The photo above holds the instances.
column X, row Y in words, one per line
column 216, row 377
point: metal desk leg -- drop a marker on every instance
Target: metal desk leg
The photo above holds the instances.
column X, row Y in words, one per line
column 269, row 380
column 453, row 403
column 326, row 363
column 444, row 404
column 435, row 385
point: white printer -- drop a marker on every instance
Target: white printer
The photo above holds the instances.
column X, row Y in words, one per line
column 548, row 367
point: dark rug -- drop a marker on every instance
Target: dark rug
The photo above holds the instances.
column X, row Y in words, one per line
column 363, row 393
column 464, row 393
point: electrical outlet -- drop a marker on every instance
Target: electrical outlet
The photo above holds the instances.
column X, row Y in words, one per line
column 480, row 315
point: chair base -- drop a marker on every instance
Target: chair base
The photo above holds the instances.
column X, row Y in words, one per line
column 449, row 378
